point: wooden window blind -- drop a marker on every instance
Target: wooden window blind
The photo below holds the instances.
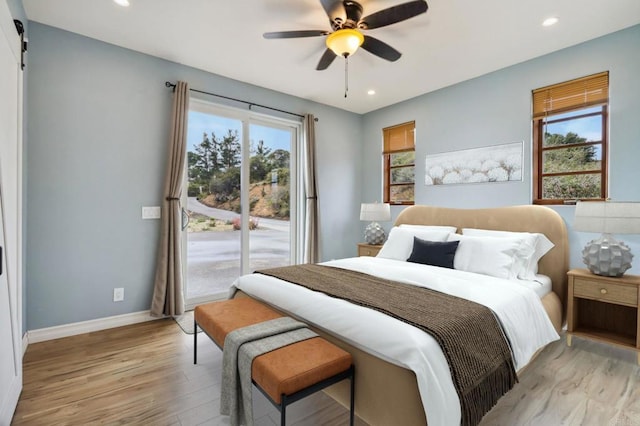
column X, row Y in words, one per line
column 399, row 138
column 570, row 95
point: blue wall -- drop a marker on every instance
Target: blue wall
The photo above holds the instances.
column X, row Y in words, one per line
column 96, row 142
column 496, row 108
column 98, row 130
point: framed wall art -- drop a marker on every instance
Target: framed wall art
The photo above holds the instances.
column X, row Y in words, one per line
column 497, row 163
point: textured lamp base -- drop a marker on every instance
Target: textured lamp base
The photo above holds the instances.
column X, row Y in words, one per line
column 374, row 234
column 607, row 257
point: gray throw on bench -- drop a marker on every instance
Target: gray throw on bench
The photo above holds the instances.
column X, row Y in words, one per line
column 241, row 346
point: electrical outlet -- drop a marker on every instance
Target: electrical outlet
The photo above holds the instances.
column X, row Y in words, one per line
column 118, row 294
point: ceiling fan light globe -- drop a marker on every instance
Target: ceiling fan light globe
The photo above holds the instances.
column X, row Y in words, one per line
column 345, row 42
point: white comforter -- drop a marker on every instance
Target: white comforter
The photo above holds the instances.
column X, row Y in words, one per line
column 520, row 310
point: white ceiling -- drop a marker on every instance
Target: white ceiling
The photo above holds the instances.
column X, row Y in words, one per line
column 454, row 41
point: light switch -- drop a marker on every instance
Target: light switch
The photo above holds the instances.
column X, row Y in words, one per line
column 151, row 212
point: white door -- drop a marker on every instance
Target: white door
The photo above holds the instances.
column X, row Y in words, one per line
column 10, row 365
column 10, row 217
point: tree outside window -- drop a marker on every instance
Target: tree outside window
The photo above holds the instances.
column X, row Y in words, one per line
column 570, row 141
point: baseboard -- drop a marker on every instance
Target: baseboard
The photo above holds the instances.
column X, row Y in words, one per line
column 25, row 342
column 66, row 330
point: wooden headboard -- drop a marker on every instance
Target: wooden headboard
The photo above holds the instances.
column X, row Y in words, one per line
column 531, row 218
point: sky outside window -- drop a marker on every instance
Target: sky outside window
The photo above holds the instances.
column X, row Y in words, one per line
column 200, row 123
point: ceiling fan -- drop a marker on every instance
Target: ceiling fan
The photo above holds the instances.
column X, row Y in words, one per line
column 345, row 18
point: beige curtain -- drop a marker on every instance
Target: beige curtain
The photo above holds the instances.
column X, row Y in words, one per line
column 167, row 290
column 311, row 250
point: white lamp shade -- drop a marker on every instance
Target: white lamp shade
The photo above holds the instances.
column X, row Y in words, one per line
column 375, row 212
column 607, row 217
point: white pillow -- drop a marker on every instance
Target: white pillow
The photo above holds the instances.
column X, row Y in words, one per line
column 400, row 242
column 449, row 229
column 495, row 256
column 540, row 243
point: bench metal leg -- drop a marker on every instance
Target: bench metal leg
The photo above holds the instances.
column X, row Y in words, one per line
column 353, row 395
column 195, row 341
column 286, row 400
column 283, row 410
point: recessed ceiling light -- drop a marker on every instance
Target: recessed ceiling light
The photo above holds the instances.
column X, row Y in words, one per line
column 371, row 92
column 124, row 3
column 550, row 21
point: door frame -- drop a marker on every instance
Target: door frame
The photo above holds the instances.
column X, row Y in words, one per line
column 12, row 200
column 247, row 118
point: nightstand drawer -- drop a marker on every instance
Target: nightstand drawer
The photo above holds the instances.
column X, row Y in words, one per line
column 368, row 249
column 605, row 291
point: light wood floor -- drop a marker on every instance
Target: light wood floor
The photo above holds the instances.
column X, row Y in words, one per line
column 144, row 374
column 141, row 374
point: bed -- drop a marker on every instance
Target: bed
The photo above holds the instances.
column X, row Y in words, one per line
column 387, row 393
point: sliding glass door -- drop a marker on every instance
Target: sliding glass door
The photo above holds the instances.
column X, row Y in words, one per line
column 241, row 198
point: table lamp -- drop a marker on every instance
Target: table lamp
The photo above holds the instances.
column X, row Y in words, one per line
column 606, row 256
column 374, row 234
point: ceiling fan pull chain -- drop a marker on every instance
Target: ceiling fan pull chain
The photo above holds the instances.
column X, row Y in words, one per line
column 346, row 75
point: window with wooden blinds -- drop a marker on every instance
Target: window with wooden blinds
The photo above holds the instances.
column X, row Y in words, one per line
column 579, row 93
column 570, row 146
column 399, row 163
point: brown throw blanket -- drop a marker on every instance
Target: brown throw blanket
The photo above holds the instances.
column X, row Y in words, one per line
column 468, row 333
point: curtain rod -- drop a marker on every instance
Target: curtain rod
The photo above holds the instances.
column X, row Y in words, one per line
column 173, row 86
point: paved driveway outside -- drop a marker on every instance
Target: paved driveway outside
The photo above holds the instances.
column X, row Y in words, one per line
column 213, row 258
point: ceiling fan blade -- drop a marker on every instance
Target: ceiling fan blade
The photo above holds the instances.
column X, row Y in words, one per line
column 353, row 10
column 394, row 14
column 380, row 48
column 327, row 58
column 333, row 9
column 295, row 34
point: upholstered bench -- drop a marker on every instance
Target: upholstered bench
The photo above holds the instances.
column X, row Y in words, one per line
column 284, row 375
